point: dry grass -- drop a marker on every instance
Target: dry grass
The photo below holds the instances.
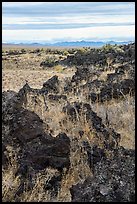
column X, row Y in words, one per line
column 78, row 171
column 15, row 79
column 121, row 116
column 28, row 60
column 104, row 74
column 10, row 183
column 38, row 192
column 58, row 68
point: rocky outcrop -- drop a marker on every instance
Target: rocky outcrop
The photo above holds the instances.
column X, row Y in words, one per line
column 51, row 85
column 21, row 129
column 35, row 149
column 117, row 90
column 57, row 97
column 113, row 180
column 114, row 90
column 25, row 129
column 80, row 74
column 108, row 136
column 119, row 54
column 80, row 135
column 118, row 83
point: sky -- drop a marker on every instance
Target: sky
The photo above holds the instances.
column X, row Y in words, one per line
column 67, row 21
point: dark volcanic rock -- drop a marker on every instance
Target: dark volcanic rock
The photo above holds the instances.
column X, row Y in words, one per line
column 114, row 77
column 80, row 74
column 127, row 86
column 27, row 120
column 53, row 185
column 4, row 156
column 57, row 97
column 93, row 97
column 113, row 181
column 122, row 69
column 94, row 153
column 117, row 90
column 71, row 111
column 51, row 85
column 52, row 152
column 26, row 88
column 109, row 137
column 68, row 87
column 23, row 130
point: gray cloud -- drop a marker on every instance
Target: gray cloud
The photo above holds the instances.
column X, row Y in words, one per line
column 59, row 26
column 68, row 9
column 18, row 16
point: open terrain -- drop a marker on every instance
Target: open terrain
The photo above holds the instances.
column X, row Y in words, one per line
column 68, row 124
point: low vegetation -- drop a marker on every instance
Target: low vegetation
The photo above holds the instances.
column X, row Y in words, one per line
column 68, row 125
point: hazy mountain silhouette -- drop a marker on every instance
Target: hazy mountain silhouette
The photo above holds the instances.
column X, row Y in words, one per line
column 81, row 43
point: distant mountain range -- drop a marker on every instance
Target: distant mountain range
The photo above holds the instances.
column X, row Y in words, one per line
column 88, row 43
column 73, row 43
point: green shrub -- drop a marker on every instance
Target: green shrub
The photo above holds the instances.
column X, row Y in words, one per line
column 49, row 62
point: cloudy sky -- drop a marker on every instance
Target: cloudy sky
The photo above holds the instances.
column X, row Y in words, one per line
column 67, row 21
